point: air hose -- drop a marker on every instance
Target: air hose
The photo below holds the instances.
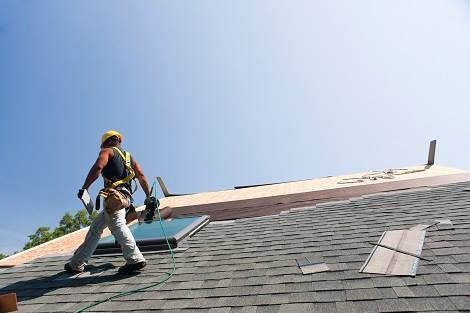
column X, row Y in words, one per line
column 154, row 284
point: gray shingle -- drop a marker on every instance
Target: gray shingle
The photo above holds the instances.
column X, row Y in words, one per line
column 448, row 251
column 430, row 304
column 346, row 307
column 220, row 310
column 453, row 289
column 247, row 309
column 461, row 302
column 387, row 281
column 302, row 297
column 363, row 294
column 366, row 306
column 460, row 277
column 226, row 301
column 424, row 291
column 324, row 307
column 296, row 308
column 250, row 265
column 449, row 268
column 268, row 309
column 393, row 305
column 176, row 311
column 387, row 293
column 327, row 285
column 403, row 292
column 358, row 283
column 270, row 299
column 33, row 308
column 300, row 287
column 437, row 278
column 329, row 296
column 438, row 244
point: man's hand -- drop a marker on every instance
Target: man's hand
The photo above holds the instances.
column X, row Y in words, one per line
column 80, row 193
column 151, row 201
column 151, row 204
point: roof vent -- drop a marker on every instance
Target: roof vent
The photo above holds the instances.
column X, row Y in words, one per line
column 308, row 267
column 431, row 153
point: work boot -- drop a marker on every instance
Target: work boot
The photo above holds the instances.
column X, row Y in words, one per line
column 68, row 268
column 132, row 268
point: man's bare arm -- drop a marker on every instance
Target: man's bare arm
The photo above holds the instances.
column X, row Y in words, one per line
column 142, row 179
column 96, row 169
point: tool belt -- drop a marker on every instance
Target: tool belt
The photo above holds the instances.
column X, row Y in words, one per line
column 114, row 200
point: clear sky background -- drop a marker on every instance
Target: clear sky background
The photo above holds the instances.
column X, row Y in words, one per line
column 213, row 94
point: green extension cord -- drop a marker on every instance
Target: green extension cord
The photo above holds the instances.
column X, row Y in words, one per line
column 159, row 283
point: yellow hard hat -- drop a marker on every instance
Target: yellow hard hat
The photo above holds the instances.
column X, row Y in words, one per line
column 109, row 134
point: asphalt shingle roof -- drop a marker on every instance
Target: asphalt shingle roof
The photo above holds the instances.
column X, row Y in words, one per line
column 249, row 265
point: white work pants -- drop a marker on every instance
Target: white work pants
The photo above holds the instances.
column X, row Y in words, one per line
column 116, row 223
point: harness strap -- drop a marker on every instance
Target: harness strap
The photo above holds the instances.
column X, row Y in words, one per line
column 126, row 156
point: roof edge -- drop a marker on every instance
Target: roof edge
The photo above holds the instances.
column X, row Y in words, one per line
column 5, row 262
column 274, row 204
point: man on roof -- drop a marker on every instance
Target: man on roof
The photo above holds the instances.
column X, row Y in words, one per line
column 118, row 169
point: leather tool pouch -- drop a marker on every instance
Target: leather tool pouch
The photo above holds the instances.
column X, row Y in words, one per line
column 114, row 200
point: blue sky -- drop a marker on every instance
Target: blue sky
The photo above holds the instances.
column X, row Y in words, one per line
column 213, row 94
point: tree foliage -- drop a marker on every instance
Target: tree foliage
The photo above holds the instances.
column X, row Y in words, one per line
column 2, row 256
column 67, row 224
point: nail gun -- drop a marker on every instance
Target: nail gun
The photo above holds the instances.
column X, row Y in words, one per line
column 151, row 205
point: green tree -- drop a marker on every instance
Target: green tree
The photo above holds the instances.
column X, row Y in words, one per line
column 67, row 224
column 41, row 235
column 2, row 256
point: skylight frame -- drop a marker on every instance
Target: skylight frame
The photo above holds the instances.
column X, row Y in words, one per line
column 158, row 243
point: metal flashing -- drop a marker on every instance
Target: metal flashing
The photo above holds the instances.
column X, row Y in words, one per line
column 226, row 222
column 396, row 253
column 309, row 267
column 444, row 225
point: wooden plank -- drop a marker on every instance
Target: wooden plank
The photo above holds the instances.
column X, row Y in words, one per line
column 8, row 303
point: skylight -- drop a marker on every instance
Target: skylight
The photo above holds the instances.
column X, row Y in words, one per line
column 149, row 235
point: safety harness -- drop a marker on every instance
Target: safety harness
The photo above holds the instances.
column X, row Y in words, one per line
column 126, row 157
